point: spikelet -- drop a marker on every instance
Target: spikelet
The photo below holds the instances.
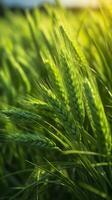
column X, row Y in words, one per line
column 97, row 117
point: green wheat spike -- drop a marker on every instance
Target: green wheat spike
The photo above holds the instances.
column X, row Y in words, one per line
column 73, row 84
column 21, row 117
column 30, row 140
column 97, row 117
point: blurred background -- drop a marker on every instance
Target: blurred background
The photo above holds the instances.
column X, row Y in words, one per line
column 32, row 3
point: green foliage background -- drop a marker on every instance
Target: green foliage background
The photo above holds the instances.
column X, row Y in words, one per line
column 56, row 105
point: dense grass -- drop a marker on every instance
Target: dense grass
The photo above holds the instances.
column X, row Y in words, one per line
column 56, row 105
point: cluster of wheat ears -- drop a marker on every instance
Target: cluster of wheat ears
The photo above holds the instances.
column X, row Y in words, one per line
column 56, row 105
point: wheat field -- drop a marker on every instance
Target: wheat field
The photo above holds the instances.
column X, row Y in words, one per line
column 56, row 104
